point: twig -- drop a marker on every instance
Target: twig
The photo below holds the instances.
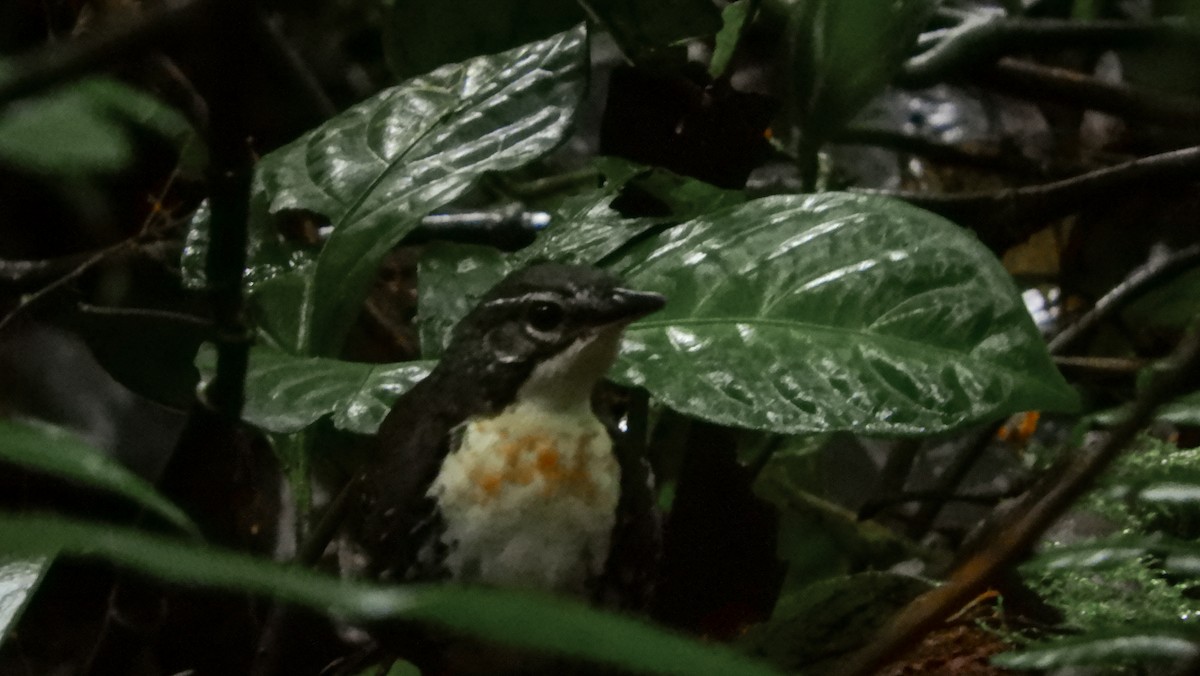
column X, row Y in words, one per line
column 1013, row 541
column 1007, row 217
column 1141, row 280
column 41, row 294
column 1072, row 88
column 29, row 273
column 1102, row 365
column 979, row 40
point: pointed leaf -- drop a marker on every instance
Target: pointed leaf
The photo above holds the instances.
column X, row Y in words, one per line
column 525, row 620
column 834, row 312
column 286, row 393
column 375, row 170
column 55, row 451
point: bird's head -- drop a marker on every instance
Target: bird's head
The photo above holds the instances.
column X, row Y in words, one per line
column 556, row 327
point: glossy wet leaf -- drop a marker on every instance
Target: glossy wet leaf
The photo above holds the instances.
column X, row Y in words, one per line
column 1116, row 646
column 286, row 393
column 374, row 170
column 525, row 620
column 87, row 128
column 844, row 52
column 834, row 312
column 19, row 579
column 55, row 451
column 453, row 277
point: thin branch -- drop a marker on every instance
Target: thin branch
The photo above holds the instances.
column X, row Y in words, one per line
column 1141, row 280
column 28, row 302
column 1103, row 366
column 1072, row 88
column 27, row 273
column 1013, row 541
column 980, row 40
column 1007, row 217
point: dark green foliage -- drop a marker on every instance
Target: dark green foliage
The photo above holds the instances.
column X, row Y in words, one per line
column 798, row 319
column 1127, row 599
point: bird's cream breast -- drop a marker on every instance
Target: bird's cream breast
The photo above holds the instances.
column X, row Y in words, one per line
column 529, row 498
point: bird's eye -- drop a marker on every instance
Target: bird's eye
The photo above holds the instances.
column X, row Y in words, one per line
column 545, row 316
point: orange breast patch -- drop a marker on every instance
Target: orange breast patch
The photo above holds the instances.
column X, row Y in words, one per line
column 537, row 459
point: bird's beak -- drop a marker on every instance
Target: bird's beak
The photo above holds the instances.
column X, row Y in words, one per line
column 627, row 305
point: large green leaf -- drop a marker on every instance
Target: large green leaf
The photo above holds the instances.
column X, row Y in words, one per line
column 55, row 451
column 844, row 52
column 521, row 619
column 834, row 312
column 376, row 169
column 19, row 578
column 286, row 393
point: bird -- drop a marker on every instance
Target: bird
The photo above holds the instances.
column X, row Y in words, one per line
column 495, row 469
